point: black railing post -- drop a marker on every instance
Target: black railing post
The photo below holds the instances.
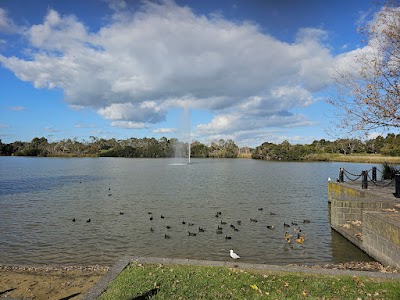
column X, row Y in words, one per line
column 364, row 175
column 397, row 181
column 374, row 174
column 341, row 174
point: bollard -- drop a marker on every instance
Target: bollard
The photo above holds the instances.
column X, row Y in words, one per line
column 341, row 174
column 364, row 175
column 374, row 174
column 397, row 181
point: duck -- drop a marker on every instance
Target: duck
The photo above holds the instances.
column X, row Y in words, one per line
column 223, row 223
column 272, row 213
column 121, row 213
column 219, row 231
column 191, row 233
column 286, row 225
column 271, row 227
column 73, row 220
column 227, row 237
column 300, row 239
column 306, row 221
column 253, row 220
column 166, row 236
column 217, row 216
column 162, row 217
column 233, row 254
column 183, row 222
column 201, row 229
column 151, row 229
column 190, row 224
column 260, row 208
column 149, row 213
column 295, row 224
column 235, row 229
column 151, row 218
column 219, row 228
column 232, row 226
column 88, row 221
column 219, row 213
column 239, row 222
column 168, row 227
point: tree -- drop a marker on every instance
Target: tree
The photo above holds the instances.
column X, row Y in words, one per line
column 368, row 92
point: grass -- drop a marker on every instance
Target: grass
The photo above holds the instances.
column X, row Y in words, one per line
column 200, row 282
column 355, row 158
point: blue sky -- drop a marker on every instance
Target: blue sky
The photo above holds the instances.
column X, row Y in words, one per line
column 251, row 71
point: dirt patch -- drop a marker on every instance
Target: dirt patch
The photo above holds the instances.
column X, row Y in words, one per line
column 48, row 283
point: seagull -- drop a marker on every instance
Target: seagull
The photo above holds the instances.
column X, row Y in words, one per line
column 329, row 179
column 234, row 255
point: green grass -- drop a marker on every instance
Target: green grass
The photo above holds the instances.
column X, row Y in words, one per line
column 199, row 282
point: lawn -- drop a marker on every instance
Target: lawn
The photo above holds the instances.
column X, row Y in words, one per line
column 201, row 282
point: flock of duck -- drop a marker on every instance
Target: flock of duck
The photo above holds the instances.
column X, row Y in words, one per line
column 295, row 235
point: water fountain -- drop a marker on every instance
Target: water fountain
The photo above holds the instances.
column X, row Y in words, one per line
column 184, row 137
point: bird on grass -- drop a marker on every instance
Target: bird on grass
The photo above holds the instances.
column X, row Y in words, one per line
column 234, row 255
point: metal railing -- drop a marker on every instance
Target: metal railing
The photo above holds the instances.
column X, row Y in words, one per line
column 370, row 176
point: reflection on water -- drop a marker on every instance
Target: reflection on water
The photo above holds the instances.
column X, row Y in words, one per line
column 39, row 198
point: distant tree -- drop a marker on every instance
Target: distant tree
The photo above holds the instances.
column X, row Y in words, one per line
column 368, row 92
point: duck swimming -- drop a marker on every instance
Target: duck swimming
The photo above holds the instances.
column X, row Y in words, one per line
column 191, row 233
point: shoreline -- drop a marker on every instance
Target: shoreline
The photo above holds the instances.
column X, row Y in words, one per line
column 55, row 282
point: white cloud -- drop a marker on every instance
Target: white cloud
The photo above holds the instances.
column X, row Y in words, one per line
column 164, row 130
column 128, row 124
column 142, row 63
column 6, row 24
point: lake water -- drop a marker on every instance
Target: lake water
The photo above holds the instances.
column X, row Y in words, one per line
column 39, row 198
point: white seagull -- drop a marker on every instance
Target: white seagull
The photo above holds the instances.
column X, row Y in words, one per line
column 234, row 255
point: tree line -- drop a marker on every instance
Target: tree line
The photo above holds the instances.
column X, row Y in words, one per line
column 164, row 147
column 132, row 147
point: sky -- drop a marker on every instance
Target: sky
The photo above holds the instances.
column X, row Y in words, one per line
column 252, row 71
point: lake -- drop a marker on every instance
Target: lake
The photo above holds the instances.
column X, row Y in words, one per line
column 40, row 197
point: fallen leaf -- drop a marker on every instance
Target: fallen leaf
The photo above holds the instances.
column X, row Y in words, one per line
column 254, row 287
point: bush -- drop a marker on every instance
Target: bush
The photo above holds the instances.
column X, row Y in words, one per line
column 388, row 171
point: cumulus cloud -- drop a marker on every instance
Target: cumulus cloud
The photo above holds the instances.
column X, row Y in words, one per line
column 143, row 63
